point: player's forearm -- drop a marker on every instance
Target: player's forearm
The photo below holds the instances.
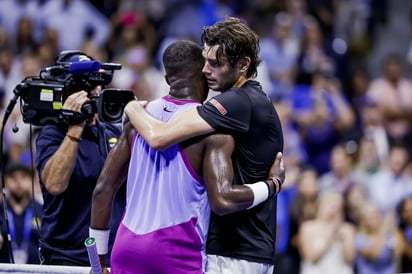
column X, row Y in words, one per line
column 147, row 126
column 161, row 135
column 106, row 188
column 231, row 200
column 102, row 199
column 112, row 176
column 103, row 196
column 101, row 207
column 240, row 198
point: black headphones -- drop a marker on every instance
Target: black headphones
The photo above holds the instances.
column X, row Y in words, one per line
column 68, row 56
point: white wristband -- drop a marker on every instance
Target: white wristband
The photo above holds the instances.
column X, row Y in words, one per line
column 260, row 193
column 102, row 239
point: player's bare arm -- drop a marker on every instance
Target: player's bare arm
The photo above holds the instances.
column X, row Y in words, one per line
column 224, row 196
column 112, row 176
column 161, row 135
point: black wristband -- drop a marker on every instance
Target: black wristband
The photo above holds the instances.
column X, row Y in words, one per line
column 278, row 184
column 267, row 182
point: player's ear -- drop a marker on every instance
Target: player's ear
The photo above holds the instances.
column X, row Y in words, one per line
column 167, row 80
column 244, row 64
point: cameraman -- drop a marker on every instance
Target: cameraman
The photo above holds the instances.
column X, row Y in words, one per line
column 69, row 158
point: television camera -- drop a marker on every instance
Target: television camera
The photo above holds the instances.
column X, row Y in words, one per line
column 43, row 96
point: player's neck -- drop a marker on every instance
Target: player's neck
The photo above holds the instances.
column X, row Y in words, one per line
column 182, row 94
column 241, row 81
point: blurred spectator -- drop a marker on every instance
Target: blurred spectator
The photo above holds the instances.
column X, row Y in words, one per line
column 18, row 143
column 325, row 13
column 356, row 90
column 284, row 262
column 294, row 153
column 107, row 7
column 4, row 38
column 130, row 28
column 199, row 13
column 280, row 51
column 372, row 127
column 90, row 47
column 11, row 12
column 405, row 228
column 50, row 42
column 73, row 19
column 297, row 9
column 352, row 25
column 25, row 40
column 391, row 178
column 24, row 215
column 326, row 243
column 392, row 93
column 340, row 176
column 378, row 247
column 314, row 54
column 10, row 72
column 47, row 51
column 409, row 51
column 134, row 51
column 323, row 116
column 354, row 199
column 302, row 208
column 367, row 161
column 294, row 156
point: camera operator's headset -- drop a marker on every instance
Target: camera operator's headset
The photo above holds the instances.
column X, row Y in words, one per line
column 63, row 59
column 69, row 56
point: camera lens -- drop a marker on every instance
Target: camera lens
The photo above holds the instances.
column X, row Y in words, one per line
column 112, row 103
column 113, row 107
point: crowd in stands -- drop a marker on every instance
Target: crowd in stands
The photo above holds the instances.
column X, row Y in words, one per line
column 347, row 201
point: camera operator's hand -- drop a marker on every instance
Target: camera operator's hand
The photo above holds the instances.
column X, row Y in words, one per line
column 75, row 101
column 74, row 104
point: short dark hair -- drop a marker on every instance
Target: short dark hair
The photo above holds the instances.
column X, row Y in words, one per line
column 183, row 56
column 236, row 41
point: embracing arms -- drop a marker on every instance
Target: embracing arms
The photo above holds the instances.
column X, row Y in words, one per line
column 161, row 135
column 226, row 197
